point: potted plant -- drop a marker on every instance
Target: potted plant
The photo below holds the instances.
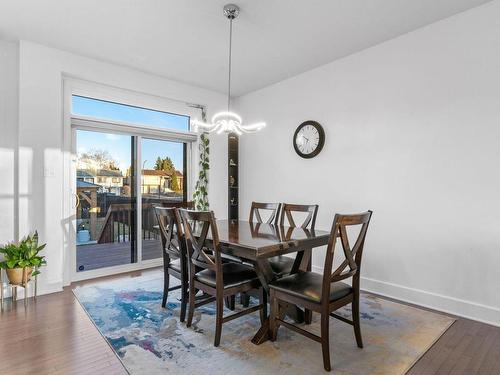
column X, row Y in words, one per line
column 22, row 257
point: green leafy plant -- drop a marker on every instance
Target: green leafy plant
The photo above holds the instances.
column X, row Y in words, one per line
column 23, row 254
column 200, row 195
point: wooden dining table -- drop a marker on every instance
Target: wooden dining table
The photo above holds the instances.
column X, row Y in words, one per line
column 255, row 243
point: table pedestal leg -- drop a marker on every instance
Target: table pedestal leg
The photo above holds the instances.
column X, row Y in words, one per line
column 266, row 275
column 262, row 334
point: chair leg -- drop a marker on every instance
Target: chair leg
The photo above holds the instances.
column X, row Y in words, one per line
column 184, row 299
column 218, row 320
column 273, row 326
column 325, row 339
column 230, row 302
column 263, row 303
column 245, row 299
column 355, row 319
column 192, row 297
column 307, row 316
column 308, row 313
column 166, row 285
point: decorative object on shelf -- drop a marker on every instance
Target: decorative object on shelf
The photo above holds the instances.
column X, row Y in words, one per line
column 232, row 176
column 309, row 139
column 227, row 121
column 21, row 263
column 200, row 195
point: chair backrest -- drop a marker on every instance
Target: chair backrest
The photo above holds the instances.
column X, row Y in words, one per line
column 202, row 252
column 171, row 233
column 255, row 212
column 351, row 265
column 310, row 220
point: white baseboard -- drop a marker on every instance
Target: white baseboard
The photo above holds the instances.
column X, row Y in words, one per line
column 42, row 289
column 455, row 306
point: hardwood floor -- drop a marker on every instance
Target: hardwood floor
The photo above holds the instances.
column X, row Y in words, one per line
column 467, row 348
column 55, row 336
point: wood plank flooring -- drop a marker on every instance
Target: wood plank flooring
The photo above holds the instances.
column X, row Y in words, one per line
column 55, row 336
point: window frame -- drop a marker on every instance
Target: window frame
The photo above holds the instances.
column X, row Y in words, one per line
column 72, row 123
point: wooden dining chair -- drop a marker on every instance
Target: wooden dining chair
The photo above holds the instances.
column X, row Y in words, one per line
column 282, row 265
column 174, row 254
column 255, row 212
column 325, row 293
column 208, row 273
column 273, row 209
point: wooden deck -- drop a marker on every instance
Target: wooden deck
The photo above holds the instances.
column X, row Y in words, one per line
column 95, row 256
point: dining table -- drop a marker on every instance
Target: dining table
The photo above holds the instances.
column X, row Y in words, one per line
column 256, row 243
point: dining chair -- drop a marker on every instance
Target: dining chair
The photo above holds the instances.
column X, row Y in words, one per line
column 255, row 212
column 256, row 208
column 325, row 293
column 282, row 265
column 173, row 246
column 208, row 273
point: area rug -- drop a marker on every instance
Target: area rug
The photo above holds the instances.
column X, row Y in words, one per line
column 150, row 339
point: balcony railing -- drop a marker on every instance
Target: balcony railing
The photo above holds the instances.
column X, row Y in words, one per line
column 118, row 222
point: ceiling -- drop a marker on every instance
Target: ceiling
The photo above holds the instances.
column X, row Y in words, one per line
column 186, row 40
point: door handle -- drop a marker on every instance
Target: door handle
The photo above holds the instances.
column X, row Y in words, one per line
column 77, row 200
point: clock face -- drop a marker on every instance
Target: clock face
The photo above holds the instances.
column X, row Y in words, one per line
column 309, row 139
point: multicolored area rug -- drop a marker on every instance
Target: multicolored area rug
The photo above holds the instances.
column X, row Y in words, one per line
column 151, row 340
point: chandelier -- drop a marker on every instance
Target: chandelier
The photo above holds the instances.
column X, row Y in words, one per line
column 227, row 121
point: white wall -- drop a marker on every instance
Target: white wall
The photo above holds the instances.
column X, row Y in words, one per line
column 412, row 132
column 41, row 146
column 9, row 82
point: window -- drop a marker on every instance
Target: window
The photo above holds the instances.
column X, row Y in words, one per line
column 101, row 109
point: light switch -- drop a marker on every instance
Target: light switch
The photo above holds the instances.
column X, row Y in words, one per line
column 49, row 172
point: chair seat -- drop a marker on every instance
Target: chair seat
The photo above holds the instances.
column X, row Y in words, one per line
column 308, row 285
column 175, row 265
column 281, row 265
column 234, row 274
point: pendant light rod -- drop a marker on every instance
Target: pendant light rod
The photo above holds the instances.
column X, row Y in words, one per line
column 231, row 11
column 229, row 122
column 229, row 65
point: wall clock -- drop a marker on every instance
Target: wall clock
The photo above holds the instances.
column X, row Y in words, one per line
column 309, row 139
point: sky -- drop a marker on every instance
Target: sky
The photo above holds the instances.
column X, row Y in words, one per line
column 119, row 146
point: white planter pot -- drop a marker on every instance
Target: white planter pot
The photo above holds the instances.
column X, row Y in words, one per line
column 83, row 236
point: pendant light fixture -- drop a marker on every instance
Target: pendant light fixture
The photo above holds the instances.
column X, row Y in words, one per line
column 227, row 121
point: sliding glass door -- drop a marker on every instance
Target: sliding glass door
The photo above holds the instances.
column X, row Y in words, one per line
column 106, row 200
column 162, row 184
